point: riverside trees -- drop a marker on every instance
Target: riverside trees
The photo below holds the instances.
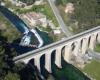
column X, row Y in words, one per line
column 6, row 72
column 28, row 2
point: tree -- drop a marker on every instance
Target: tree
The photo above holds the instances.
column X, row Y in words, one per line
column 12, row 76
column 85, row 12
column 58, row 2
column 5, row 61
column 28, row 2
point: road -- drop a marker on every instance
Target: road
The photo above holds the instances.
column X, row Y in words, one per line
column 59, row 18
column 94, row 54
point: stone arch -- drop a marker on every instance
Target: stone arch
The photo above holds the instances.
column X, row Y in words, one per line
column 53, row 54
column 97, row 37
column 63, row 51
column 42, row 65
column 73, row 46
column 76, row 47
column 81, row 43
column 31, row 61
column 58, row 56
column 89, row 39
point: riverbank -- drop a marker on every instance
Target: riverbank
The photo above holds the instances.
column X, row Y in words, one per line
column 24, row 29
column 8, row 30
column 69, row 72
column 93, row 69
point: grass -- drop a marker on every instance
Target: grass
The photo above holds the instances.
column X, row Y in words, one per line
column 93, row 69
column 97, row 48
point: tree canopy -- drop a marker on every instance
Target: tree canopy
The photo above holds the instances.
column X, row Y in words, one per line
column 87, row 12
column 28, row 2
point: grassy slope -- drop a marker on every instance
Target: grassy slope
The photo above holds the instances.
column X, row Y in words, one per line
column 93, row 69
column 45, row 9
column 8, row 30
column 97, row 48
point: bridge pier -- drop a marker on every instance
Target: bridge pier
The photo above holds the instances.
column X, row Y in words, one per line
column 98, row 38
column 92, row 41
column 58, row 57
column 77, row 48
column 37, row 62
column 48, row 61
column 84, row 45
column 67, row 53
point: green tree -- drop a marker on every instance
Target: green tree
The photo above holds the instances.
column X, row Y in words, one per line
column 12, row 76
column 85, row 12
column 28, row 2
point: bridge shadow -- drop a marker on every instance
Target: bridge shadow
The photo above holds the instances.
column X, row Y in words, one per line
column 44, row 72
column 68, row 72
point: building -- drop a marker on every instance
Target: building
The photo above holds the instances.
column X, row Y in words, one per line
column 35, row 19
column 69, row 8
column 56, row 32
column 38, row 2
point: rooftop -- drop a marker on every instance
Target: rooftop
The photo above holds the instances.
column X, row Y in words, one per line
column 35, row 15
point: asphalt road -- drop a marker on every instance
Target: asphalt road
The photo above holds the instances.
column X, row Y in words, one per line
column 94, row 55
column 59, row 18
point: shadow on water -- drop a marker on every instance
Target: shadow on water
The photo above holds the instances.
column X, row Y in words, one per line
column 67, row 72
column 45, row 37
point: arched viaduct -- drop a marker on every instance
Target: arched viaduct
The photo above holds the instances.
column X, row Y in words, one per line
column 77, row 44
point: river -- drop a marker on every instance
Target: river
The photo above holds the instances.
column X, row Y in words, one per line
column 24, row 29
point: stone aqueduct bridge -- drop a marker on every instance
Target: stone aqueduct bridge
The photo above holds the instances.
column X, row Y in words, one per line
column 77, row 44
